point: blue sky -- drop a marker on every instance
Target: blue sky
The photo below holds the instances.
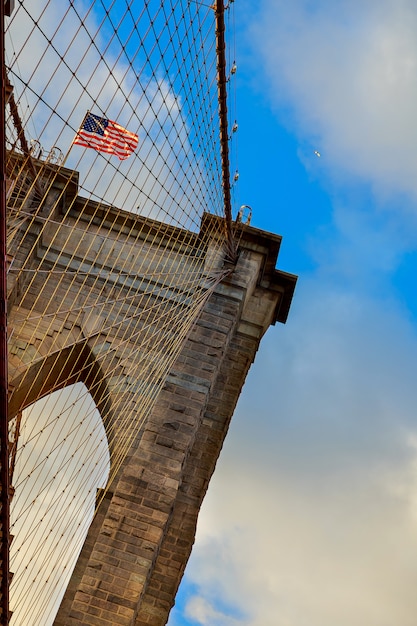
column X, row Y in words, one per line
column 311, row 517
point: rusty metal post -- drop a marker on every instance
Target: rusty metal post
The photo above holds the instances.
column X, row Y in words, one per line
column 4, row 428
column 224, row 138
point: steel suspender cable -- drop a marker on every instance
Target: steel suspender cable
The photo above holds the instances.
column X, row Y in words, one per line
column 224, row 138
column 4, row 429
column 102, row 296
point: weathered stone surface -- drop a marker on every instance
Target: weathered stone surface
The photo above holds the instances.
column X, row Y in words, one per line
column 136, row 550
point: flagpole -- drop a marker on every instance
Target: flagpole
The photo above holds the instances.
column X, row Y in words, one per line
column 64, row 160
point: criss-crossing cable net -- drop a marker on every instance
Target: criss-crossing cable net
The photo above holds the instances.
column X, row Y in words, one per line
column 110, row 261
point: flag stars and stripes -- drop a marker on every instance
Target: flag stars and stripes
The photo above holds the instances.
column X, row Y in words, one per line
column 104, row 135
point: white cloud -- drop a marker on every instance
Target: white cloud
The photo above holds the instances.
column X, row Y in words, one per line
column 204, row 613
column 347, row 71
column 168, row 177
column 311, row 517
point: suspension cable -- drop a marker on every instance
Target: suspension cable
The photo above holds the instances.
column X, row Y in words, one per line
column 224, row 138
column 4, row 428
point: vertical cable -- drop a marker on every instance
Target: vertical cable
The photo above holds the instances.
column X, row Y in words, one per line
column 4, row 430
column 224, row 138
column 107, row 295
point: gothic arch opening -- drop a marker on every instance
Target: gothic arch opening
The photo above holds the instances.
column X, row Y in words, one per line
column 62, row 459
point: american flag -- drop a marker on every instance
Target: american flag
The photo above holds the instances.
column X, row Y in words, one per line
column 104, row 135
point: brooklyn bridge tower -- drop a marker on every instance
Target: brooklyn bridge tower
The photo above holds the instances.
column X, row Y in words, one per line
column 137, row 298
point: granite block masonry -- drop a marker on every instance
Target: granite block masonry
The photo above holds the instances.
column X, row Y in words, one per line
column 138, row 545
